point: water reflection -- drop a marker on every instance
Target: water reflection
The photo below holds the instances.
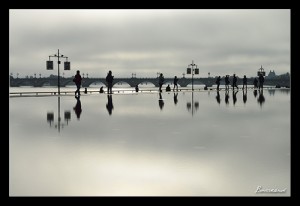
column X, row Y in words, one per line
column 261, row 98
column 245, row 96
column 109, row 105
column 234, row 96
column 192, row 158
column 175, row 97
column 255, row 93
column 77, row 107
column 227, row 97
column 191, row 105
column 161, row 101
column 218, row 97
column 58, row 125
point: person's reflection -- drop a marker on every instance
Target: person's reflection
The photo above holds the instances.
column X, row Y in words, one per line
column 234, row 96
column 244, row 96
column 218, row 97
column 227, row 97
column 175, row 98
column 261, row 98
column 77, row 107
column 255, row 93
column 109, row 105
column 161, row 101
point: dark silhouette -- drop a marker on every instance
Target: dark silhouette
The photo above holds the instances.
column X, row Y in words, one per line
column 175, row 98
column 244, row 96
column 218, row 97
column 261, row 98
column 101, row 90
column 255, row 83
column 218, row 82
column 227, row 82
column 77, row 80
column 161, row 80
column 136, row 88
column 168, row 88
column 234, row 96
column 175, row 83
column 234, row 82
column 255, row 93
column 227, row 97
column 109, row 80
column 85, row 90
column 245, row 81
column 109, row 105
column 261, row 80
column 77, row 107
column 161, row 101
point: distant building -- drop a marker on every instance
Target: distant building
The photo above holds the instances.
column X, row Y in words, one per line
column 271, row 74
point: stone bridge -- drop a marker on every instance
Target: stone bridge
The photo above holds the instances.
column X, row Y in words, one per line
column 183, row 82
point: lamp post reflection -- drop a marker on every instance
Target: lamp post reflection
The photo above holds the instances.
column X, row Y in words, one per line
column 58, row 125
column 190, row 105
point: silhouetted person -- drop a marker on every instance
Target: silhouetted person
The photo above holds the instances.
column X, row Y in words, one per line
column 85, row 90
column 175, row 83
column 101, row 89
column 109, row 80
column 255, row 83
column 77, row 107
column 227, row 82
column 161, row 80
column 136, row 88
column 261, row 98
column 234, row 82
column 245, row 81
column 168, row 88
column 244, row 96
column 218, row 82
column 218, row 97
column 227, row 97
column 161, row 101
column 255, row 92
column 77, row 80
column 109, row 105
column 234, row 96
column 261, row 80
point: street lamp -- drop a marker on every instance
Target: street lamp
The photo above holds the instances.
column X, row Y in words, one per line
column 192, row 71
column 50, row 66
column 261, row 71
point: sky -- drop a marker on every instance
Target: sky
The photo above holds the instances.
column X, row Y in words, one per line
column 144, row 42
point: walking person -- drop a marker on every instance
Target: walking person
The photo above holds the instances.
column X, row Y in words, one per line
column 175, row 83
column 218, row 82
column 227, row 82
column 109, row 80
column 77, row 80
column 245, row 82
column 234, row 81
column 255, row 82
column 261, row 80
column 161, row 80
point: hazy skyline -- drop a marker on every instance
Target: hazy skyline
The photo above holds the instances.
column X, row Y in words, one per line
column 145, row 42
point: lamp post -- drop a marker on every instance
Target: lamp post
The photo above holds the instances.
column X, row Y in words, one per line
column 192, row 71
column 50, row 66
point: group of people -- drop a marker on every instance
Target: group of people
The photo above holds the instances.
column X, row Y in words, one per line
column 260, row 80
column 110, row 78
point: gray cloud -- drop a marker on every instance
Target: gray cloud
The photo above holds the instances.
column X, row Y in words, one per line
column 149, row 41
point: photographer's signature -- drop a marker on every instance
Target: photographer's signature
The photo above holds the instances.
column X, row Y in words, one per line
column 260, row 189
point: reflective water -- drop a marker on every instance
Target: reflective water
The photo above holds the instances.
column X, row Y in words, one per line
column 176, row 143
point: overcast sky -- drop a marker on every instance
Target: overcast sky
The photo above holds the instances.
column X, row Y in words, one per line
column 145, row 42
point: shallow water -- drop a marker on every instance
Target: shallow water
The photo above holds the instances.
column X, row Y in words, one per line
column 179, row 143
